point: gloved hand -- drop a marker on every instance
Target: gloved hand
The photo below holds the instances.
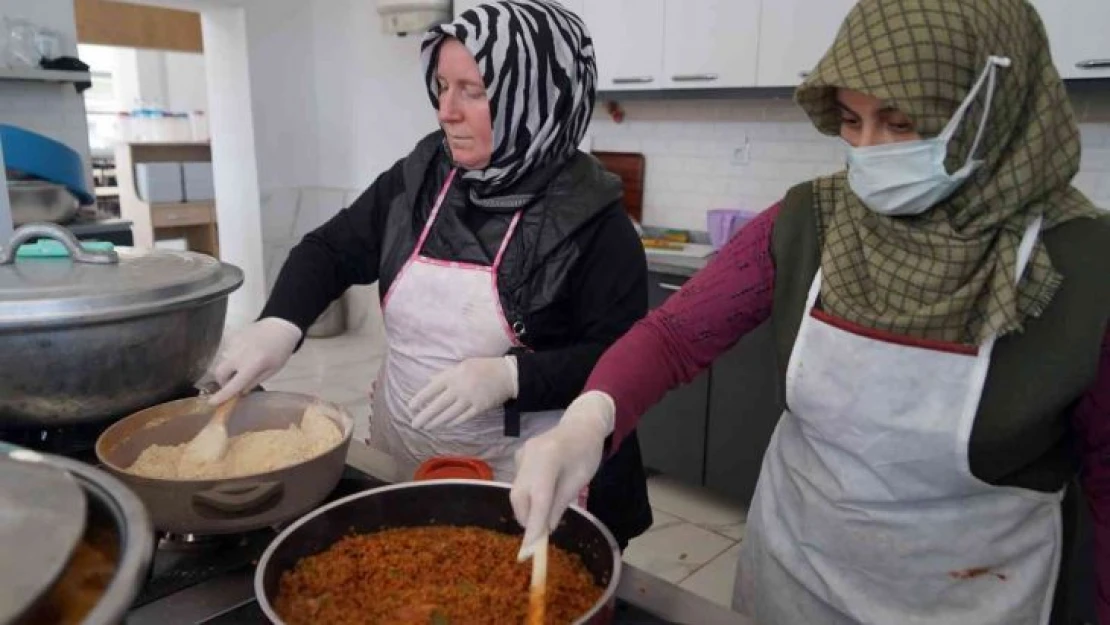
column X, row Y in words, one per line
column 555, row 466
column 464, row 391
column 253, row 355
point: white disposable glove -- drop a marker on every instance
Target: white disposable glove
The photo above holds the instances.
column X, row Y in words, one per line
column 555, row 466
column 464, row 391
column 253, row 355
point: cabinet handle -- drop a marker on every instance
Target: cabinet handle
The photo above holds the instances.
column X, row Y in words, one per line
column 1094, row 64
column 669, row 287
column 694, row 77
column 633, row 80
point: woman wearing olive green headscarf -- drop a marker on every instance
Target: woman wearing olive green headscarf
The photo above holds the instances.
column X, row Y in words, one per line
column 940, row 311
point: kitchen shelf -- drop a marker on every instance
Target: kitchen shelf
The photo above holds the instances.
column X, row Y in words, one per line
column 193, row 221
column 33, row 74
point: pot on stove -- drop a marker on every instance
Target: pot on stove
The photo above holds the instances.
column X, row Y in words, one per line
column 451, row 502
column 88, row 335
column 230, row 505
column 114, row 522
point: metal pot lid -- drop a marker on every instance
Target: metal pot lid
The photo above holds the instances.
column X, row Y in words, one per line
column 41, row 520
column 62, row 281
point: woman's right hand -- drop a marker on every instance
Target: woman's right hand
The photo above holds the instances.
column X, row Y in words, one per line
column 555, row 466
column 252, row 356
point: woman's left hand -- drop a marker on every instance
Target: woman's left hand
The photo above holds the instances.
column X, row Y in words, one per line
column 464, row 391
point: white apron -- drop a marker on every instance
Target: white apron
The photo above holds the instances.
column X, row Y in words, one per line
column 866, row 509
column 437, row 314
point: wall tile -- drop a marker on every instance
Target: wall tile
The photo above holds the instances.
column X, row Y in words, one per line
column 690, row 145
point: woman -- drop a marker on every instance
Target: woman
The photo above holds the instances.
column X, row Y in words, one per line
column 940, row 311
column 503, row 255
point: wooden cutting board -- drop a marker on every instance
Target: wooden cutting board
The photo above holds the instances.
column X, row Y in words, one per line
column 629, row 166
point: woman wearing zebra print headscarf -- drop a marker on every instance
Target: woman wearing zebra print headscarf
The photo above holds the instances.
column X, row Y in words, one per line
column 504, row 259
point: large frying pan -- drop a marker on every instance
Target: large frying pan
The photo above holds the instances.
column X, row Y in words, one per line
column 232, row 505
column 438, row 502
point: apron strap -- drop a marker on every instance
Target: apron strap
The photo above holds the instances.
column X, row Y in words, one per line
column 435, row 213
column 512, row 413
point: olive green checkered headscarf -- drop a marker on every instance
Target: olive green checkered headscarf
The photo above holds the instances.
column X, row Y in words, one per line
column 948, row 274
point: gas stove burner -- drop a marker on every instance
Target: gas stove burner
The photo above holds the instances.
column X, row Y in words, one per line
column 169, row 541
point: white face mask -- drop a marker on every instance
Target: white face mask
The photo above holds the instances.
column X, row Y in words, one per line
column 909, row 178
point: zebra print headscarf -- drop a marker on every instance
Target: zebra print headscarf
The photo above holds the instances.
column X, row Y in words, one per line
column 537, row 60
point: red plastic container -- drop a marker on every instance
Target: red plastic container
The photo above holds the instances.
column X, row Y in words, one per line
column 454, row 468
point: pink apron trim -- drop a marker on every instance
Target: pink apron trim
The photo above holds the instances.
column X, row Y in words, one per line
column 492, row 270
column 423, row 236
column 493, row 283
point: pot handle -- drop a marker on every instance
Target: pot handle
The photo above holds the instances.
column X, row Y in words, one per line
column 238, row 498
column 59, row 234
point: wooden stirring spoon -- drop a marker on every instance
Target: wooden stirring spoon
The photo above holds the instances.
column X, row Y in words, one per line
column 210, row 444
column 537, row 591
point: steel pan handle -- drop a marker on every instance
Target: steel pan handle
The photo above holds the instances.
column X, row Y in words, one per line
column 238, row 498
column 59, row 234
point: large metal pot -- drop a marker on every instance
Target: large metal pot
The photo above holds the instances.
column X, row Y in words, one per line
column 438, row 502
column 39, row 201
column 231, row 505
column 112, row 513
column 95, row 335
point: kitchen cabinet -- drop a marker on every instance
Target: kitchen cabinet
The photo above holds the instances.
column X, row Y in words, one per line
column 794, row 35
column 627, row 35
column 710, row 43
column 674, row 44
column 193, row 221
column 714, row 431
column 1077, row 33
column 672, row 433
column 743, row 411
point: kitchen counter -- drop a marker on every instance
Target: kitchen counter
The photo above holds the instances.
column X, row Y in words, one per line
column 675, row 265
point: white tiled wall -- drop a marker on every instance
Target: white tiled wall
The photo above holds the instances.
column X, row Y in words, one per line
column 701, row 154
column 746, row 152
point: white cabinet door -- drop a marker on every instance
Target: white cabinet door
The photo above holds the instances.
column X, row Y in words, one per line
column 628, row 42
column 1079, row 33
column 710, row 43
column 795, row 34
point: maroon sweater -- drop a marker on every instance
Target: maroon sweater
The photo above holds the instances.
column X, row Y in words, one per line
column 733, row 295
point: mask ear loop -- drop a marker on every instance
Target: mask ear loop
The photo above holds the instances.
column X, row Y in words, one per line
column 989, row 76
column 993, row 63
